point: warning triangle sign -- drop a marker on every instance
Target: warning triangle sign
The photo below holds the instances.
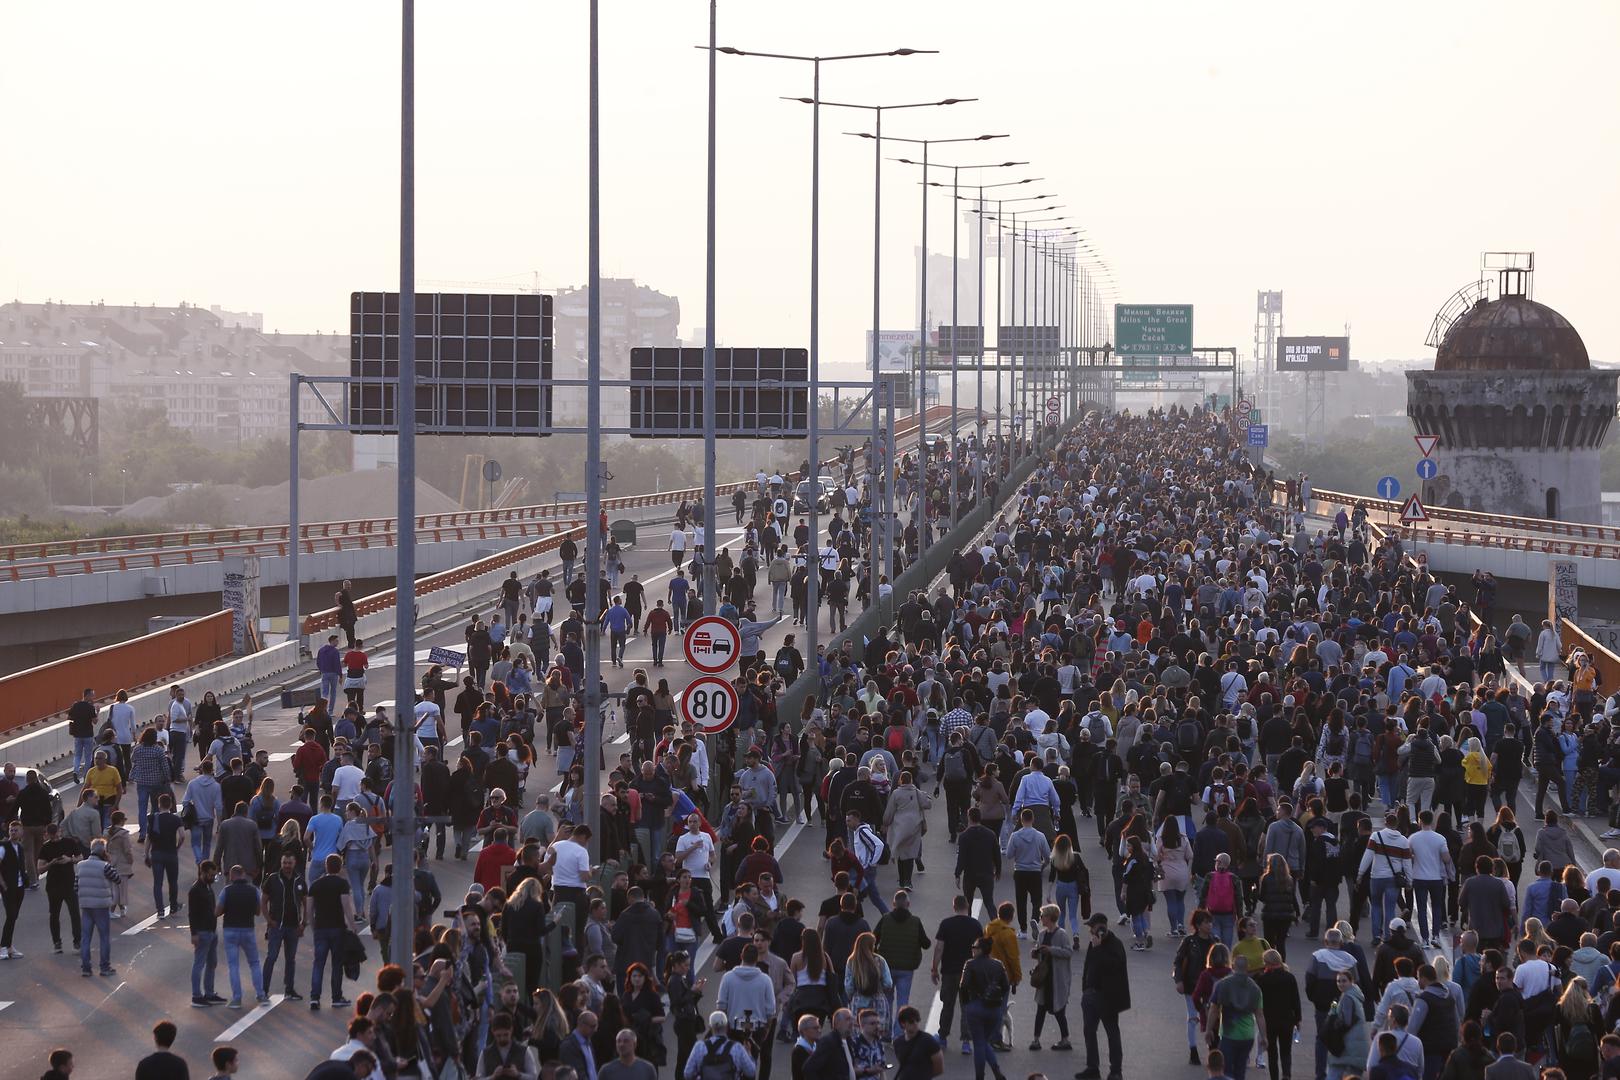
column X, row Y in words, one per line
column 1426, row 443
column 1413, row 513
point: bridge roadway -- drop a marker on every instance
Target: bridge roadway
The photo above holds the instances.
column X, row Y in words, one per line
column 43, row 1002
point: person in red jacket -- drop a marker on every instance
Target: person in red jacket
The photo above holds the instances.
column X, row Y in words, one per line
column 309, row 759
column 494, row 859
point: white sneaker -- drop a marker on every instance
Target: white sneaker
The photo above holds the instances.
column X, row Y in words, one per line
column 5, row 953
column 16, row 954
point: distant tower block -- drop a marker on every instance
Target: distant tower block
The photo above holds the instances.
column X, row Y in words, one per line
column 1519, row 410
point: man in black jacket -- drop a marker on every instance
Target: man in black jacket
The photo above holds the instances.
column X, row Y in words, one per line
column 1105, row 992
column 833, row 1057
column 435, row 798
column 978, row 850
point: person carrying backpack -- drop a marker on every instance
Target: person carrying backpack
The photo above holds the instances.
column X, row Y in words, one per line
column 718, row 1056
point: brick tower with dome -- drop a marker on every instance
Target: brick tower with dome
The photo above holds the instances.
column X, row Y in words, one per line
column 1519, row 410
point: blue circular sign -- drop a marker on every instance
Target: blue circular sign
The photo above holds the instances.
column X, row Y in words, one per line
column 1388, row 487
column 1427, row 469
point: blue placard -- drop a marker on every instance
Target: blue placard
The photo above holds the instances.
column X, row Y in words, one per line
column 448, row 657
column 1259, row 435
column 1427, row 469
column 1388, row 487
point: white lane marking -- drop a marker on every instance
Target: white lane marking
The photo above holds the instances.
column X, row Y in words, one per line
column 4, row 1005
column 706, row 950
column 937, row 1009
column 145, row 924
column 276, row 759
column 259, row 1013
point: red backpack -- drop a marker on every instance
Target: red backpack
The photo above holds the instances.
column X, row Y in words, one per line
column 1220, row 897
column 895, row 740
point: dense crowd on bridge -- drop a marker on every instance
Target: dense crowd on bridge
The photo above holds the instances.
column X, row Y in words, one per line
column 1288, row 741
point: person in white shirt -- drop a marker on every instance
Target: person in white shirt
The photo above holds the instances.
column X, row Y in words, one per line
column 1431, row 869
column 1388, row 857
column 677, row 545
column 1609, row 872
column 694, row 852
column 572, row 873
column 429, row 722
column 346, row 781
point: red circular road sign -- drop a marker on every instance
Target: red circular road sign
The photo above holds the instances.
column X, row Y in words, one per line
column 709, row 704
column 712, row 644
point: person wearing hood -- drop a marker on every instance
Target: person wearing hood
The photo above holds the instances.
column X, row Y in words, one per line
column 1351, row 1057
column 1395, row 945
column 1588, row 960
column 1325, row 965
column 747, row 995
column 1401, row 990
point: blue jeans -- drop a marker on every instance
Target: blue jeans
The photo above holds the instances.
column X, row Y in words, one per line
column 84, row 755
column 202, row 838
column 330, row 683
column 1175, row 907
column 1386, row 788
column 658, row 642
column 983, row 1025
column 1549, row 668
column 1194, row 1026
column 204, row 961
column 1140, row 925
column 97, row 920
column 1237, row 1053
column 327, row 942
column 1385, row 899
column 278, row 938
column 357, row 867
column 166, row 864
column 1225, row 928
column 902, row 994
column 1067, row 895
column 239, row 941
column 869, row 891
column 146, row 798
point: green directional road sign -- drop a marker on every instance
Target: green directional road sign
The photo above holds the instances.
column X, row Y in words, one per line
column 1153, row 329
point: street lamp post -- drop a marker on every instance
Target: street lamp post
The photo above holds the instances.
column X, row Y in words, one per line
column 920, row 516
column 813, row 578
column 876, row 135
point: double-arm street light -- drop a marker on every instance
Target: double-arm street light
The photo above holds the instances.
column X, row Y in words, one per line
column 813, row 579
column 874, row 456
column 920, row 516
column 956, row 218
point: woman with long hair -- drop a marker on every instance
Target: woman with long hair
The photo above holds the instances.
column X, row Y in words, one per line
column 868, row 983
column 1071, row 886
column 644, row 1007
column 813, row 991
column 1172, row 854
column 684, row 995
column 1579, row 1028
column 290, row 841
column 1279, row 903
column 550, row 1025
column 1476, row 778
column 1508, row 839
column 1136, row 892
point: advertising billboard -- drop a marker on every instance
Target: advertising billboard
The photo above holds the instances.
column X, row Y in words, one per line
column 1313, row 354
column 896, row 350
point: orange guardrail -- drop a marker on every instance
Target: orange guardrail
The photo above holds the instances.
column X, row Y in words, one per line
column 1572, row 637
column 49, row 689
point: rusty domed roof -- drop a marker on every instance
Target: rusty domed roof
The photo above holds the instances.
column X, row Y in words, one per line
column 1512, row 333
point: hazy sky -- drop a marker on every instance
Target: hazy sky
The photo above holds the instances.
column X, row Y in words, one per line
column 1357, row 157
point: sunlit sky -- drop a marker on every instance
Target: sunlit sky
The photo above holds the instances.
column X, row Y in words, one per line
column 1357, row 157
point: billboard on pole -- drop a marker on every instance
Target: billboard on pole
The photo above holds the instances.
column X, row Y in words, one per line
column 896, row 350
column 1313, row 354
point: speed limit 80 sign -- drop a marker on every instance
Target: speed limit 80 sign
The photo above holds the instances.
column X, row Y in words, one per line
column 710, row 704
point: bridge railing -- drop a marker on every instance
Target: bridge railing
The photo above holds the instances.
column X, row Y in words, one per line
column 43, row 691
column 204, row 545
column 1463, row 521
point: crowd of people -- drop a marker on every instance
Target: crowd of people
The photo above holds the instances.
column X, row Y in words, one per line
column 1289, row 739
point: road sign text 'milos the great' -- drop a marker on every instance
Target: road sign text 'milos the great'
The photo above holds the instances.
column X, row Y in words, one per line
column 1153, row 329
